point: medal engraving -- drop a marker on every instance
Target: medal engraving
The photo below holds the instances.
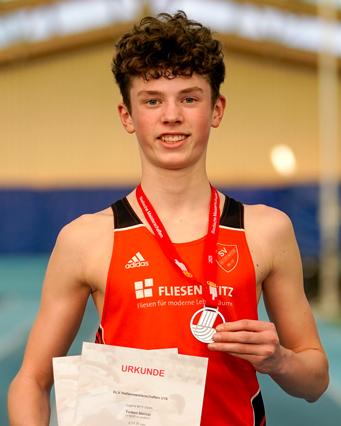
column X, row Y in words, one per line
column 204, row 330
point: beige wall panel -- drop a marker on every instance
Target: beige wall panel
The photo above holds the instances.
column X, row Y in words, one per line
column 267, row 104
column 59, row 124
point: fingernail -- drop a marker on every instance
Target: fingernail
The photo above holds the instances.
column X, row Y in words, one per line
column 217, row 337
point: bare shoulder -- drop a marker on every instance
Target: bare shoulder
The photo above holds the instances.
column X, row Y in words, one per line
column 86, row 229
column 272, row 242
column 83, row 247
column 260, row 213
column 267, row 222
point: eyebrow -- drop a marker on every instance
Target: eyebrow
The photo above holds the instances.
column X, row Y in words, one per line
column 183, row 91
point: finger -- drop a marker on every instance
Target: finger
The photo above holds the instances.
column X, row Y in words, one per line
column 237, row 348
column 254, row 359
column 248, row 325
column 248, row 337
column 266, row 339
column 260, row 361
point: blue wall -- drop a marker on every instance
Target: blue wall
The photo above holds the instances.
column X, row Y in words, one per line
column 30, row 219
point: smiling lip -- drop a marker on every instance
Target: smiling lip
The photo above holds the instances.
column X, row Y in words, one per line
column 172, row 138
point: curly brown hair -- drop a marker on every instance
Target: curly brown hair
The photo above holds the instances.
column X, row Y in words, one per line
column 168, row 46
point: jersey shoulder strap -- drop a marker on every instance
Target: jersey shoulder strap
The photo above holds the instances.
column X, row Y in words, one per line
column 233, row 214
column 124, row 215
column 231, row 217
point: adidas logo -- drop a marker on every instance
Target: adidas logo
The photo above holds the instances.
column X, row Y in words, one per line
column 143, row 288
column 137, row 261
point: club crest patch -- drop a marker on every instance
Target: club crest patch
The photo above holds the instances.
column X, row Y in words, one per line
column 227, row 256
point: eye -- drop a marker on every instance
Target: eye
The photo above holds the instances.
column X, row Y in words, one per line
column 152, row 102
column 189, row 100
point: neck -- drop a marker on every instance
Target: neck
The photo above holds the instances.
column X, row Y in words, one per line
column 182, row 203
column 176, row 190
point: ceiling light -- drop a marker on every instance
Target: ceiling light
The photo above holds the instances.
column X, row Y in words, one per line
column 283, row 159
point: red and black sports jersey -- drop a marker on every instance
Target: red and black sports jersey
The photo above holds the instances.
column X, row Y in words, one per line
column 149, row 304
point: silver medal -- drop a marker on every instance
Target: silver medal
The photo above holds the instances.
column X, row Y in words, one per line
column 204, row 330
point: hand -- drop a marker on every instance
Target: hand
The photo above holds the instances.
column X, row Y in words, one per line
column 253, row 341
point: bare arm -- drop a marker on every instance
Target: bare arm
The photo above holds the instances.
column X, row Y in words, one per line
column 63, row 303
column 288, row 348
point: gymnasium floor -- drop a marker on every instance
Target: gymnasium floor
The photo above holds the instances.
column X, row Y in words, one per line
column 20, row 285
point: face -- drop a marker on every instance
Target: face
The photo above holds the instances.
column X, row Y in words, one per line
column 172, row 120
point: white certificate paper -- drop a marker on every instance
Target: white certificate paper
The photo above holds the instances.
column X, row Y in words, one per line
column 124, row 386
column 66, row 374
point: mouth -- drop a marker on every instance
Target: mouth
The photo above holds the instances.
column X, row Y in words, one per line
column 173, row 138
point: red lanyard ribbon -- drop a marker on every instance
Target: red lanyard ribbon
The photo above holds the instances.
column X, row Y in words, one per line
column 209, row 262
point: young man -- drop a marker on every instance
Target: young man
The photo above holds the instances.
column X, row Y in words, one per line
column 220, row 254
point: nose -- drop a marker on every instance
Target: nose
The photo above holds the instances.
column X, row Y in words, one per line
column 172, row 113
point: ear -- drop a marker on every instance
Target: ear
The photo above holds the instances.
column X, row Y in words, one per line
column 125, row 118
column 218, row 111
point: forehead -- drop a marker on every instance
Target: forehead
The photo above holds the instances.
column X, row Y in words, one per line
column 166, row 86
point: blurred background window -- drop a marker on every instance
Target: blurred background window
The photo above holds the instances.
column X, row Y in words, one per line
column 292, row 23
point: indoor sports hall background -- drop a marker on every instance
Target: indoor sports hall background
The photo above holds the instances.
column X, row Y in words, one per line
column 63, row 151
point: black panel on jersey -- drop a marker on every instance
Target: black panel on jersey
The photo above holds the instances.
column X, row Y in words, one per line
column 233, row 214
column 124, row 215
column 258, row 410
column 99, row 336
